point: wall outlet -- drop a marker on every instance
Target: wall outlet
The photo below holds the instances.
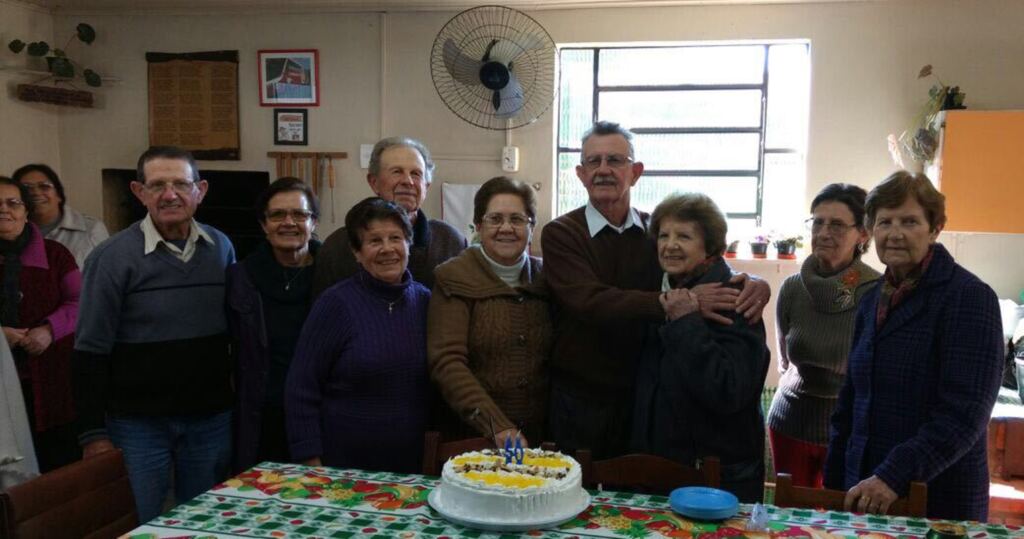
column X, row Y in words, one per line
column 510, row 159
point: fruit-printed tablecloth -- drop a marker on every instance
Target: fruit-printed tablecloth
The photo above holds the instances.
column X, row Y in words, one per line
column 292, row 501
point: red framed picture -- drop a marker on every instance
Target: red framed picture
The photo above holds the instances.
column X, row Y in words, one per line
column 289, row 77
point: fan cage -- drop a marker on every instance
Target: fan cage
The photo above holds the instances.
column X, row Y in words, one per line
column 520, row 38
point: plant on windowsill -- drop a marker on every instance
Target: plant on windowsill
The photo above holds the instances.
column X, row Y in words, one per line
column 759, row 246
column 786, row 247
column 60, row 68
column 731, row 250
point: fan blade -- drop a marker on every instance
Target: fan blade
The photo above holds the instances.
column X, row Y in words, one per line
column 461, row 67
column 506, row 50
column 511, row 98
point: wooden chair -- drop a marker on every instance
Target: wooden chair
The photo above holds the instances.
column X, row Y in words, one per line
column 89, row 499
column 435, row 453
column 648, row 474
column 787, row 495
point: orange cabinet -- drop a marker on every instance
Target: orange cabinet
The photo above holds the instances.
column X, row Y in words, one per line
column 981, row 165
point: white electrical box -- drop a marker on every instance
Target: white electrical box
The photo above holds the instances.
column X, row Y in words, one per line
column 510, row 159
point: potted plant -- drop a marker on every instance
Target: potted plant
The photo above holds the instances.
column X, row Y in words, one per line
column 730, row 251
column 61, row 69
column 785, row 248
column 921, row 138
column 759, row 246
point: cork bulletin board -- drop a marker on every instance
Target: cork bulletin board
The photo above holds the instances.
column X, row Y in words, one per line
column 193, row 102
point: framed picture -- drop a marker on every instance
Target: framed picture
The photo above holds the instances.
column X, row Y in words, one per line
column 289, row 77
column 291, row 127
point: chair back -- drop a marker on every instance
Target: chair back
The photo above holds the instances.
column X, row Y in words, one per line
column 788, row 495
column 88, row 499
column 435, row 453
column 648, row 474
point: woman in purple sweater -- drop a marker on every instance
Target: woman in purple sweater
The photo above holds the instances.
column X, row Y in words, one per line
column 356, row 394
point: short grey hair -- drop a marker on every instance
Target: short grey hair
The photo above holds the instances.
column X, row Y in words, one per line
column 408, row 142
column 603, row 128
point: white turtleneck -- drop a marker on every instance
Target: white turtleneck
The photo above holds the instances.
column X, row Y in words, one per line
column 508, row 274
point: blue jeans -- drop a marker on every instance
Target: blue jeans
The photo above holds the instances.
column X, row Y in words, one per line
column 199, row 447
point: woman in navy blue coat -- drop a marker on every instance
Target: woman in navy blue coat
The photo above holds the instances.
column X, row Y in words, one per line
column 924, row 370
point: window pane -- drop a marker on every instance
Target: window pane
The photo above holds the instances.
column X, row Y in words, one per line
column 732, row 194
column 711, row 108
column 576, row 96
column 571, row 193
column 682, row 65
column 788, row 86
column 784, row 205
column 713, row 151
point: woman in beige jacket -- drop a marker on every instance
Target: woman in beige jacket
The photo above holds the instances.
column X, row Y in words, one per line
column 489, row 325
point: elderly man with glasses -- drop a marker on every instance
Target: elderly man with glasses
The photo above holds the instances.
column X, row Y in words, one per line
column 401, row 172
column 603, row 272
column 152, row 357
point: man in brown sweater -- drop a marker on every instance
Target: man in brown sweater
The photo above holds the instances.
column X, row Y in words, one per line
column 400, row 171
column 602, row 269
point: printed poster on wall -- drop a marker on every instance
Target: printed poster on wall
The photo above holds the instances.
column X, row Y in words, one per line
column 193, row 103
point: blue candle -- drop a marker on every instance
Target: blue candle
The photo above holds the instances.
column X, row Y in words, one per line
column 520, row 453
column 508, row 451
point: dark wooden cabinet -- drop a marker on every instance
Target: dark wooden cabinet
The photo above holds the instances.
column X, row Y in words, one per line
column 228, row 205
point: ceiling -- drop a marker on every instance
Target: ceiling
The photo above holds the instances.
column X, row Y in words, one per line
column 99, row 6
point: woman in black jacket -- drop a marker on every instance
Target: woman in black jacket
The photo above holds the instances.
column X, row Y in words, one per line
column 699, row 381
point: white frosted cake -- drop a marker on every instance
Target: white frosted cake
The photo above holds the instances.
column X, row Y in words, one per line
column 479, row 486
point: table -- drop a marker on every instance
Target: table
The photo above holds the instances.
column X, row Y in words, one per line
column 292, row 501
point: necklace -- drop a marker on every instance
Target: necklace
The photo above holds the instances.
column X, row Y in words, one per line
column 288, row 282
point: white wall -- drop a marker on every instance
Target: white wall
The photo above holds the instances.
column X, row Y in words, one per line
column 865, row 58
column 28, row 131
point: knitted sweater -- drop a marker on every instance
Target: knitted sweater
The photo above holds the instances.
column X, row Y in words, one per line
column 356, row 392
column 606, row 289
column 152, row 331
column 50, row 285
column 815, row 317
column 488, row 345
column 433, row 242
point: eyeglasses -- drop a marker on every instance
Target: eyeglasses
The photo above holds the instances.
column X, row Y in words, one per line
column 278, row 216
column 517, row 220
column 613, row 161
column 181, row 187
column 42, row 187
column 834, row 227
column 11, row 203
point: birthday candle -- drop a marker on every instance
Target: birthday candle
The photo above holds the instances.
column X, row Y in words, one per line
column 519, row 450
column 508, row 451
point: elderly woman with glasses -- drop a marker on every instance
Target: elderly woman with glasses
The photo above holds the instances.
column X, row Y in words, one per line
column 815, row 315
column 489, row 326
column 269, row 295
column 357, row 391
column 38, row 311
column 698, row 391
column 924, row 370
column 56, row 220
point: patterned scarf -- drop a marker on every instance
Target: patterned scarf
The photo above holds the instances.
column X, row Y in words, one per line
column 895, row 292
column 690, row 278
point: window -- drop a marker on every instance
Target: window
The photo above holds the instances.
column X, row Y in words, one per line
column 729, row 121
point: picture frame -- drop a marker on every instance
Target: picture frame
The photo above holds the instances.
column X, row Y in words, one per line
column 289, row 77
column 291, row 127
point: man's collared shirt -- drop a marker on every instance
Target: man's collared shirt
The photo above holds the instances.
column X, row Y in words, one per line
column 154, row 239
column 596, row 222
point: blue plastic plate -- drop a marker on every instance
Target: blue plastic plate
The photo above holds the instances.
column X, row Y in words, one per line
column 703, row 503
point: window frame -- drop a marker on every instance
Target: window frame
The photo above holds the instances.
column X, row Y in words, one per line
column 760, row 130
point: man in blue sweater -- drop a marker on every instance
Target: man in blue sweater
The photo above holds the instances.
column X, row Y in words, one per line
column 152, row 358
